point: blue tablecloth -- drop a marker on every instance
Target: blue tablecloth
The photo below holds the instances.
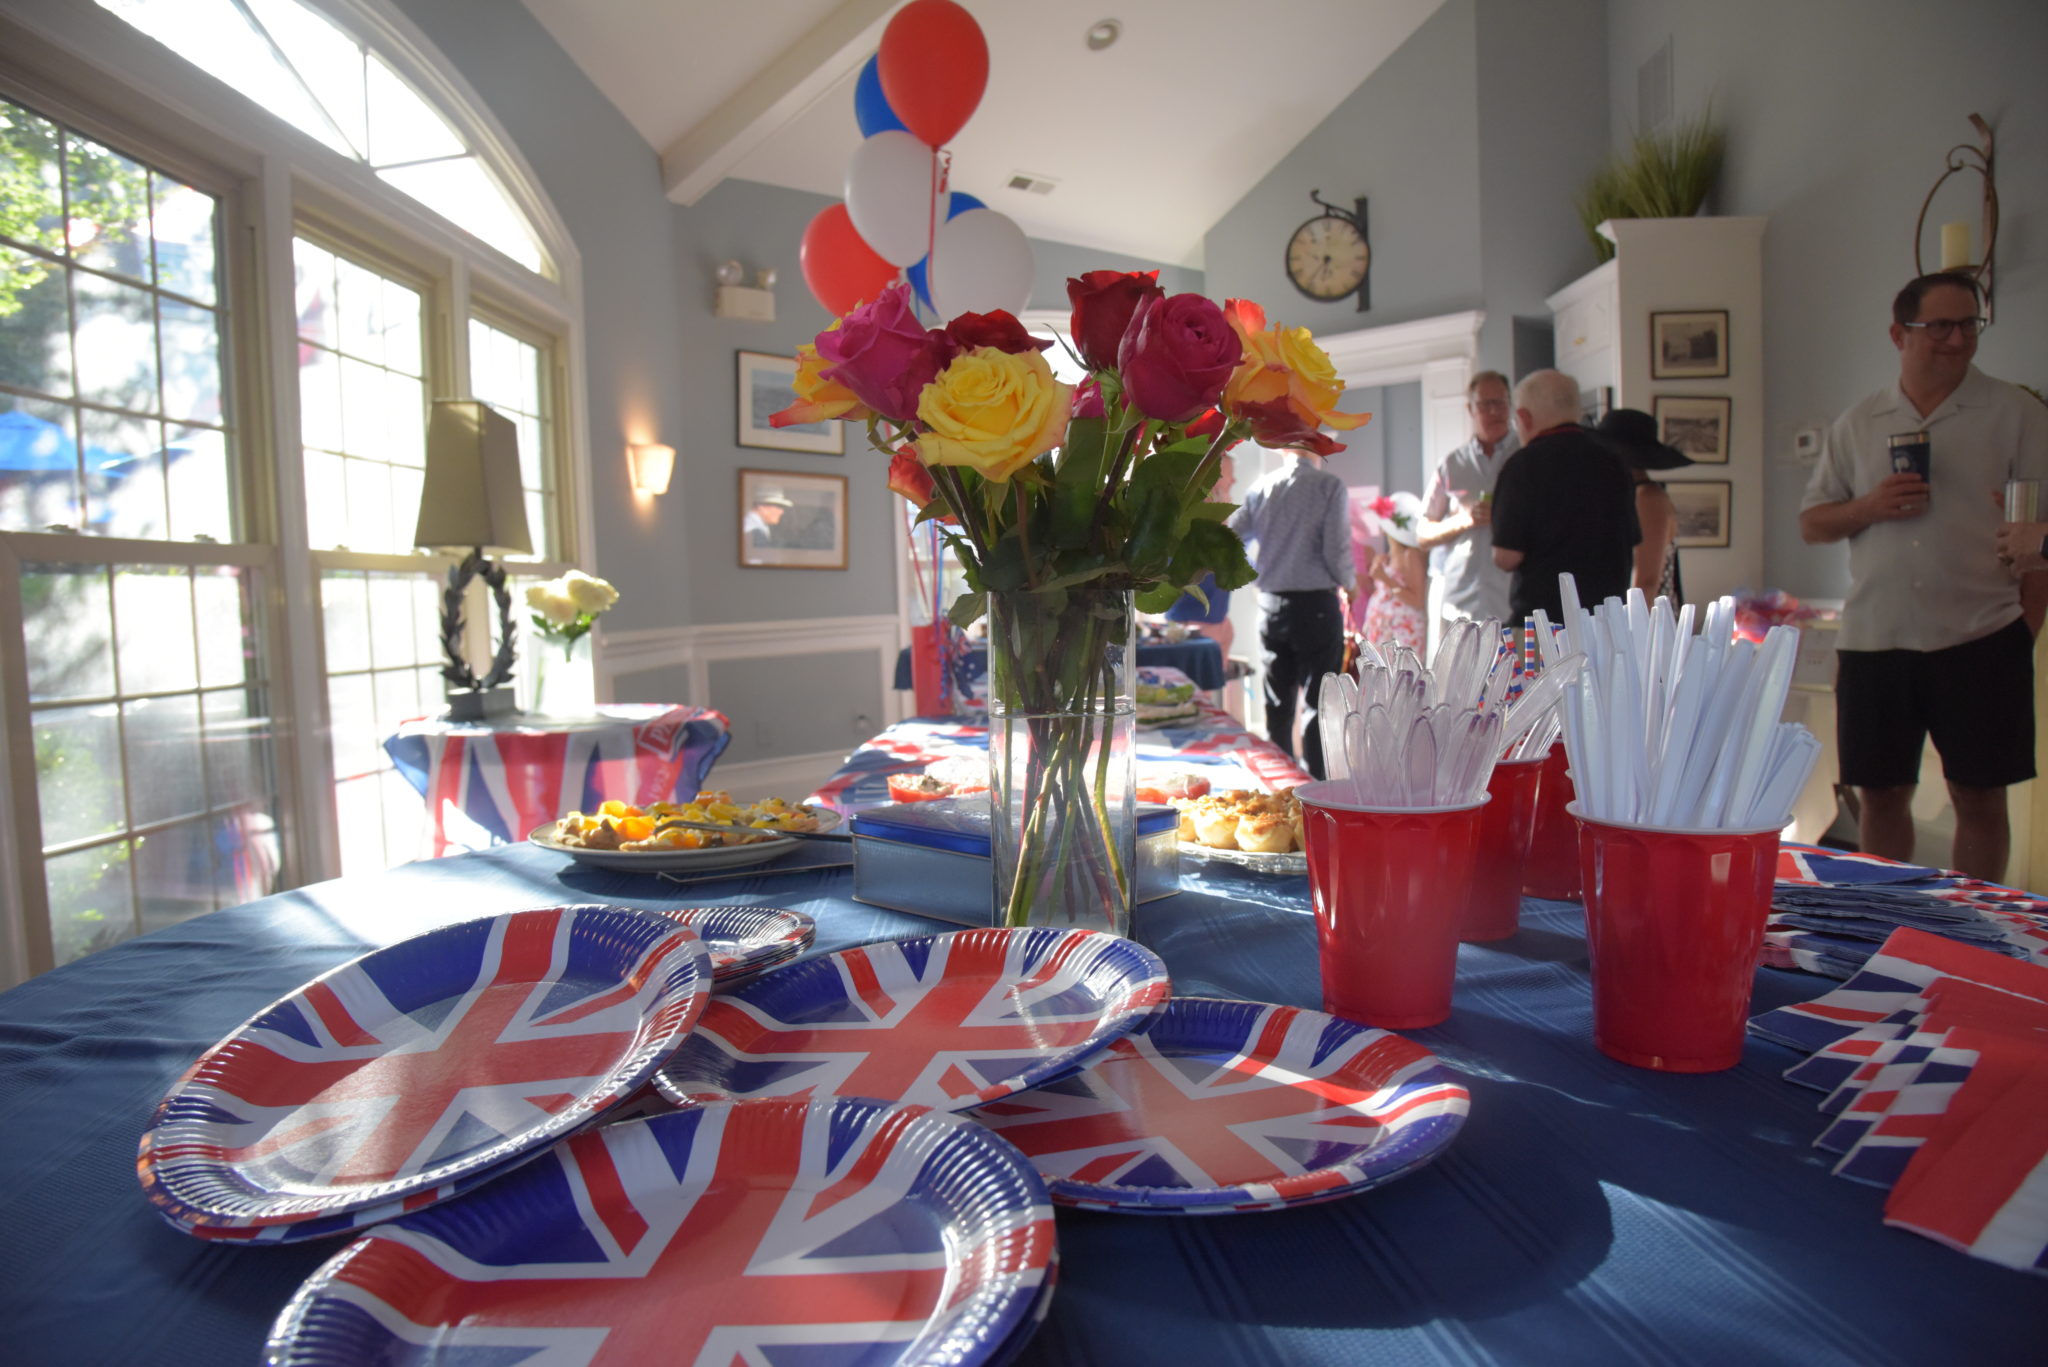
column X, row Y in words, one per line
column 1198, row 657
column 1589, row 1213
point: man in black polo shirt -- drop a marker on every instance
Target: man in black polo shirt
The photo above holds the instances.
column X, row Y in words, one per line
column 1564, row 503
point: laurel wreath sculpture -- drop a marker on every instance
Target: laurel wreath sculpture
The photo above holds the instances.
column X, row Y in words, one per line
column 457, row 671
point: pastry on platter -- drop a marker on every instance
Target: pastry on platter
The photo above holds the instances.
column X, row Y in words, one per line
column 1261, row 823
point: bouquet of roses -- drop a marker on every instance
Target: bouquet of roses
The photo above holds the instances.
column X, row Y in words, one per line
column 565, row 609
column 1043, row 485
column 1064, row 504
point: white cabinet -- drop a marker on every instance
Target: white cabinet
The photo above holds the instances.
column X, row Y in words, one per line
column 1602, row 327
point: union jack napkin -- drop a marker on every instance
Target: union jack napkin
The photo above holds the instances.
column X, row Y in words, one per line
column 1831, row 910
column 1934, row 1058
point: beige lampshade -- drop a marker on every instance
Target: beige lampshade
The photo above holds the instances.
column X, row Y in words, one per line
column 471, row 495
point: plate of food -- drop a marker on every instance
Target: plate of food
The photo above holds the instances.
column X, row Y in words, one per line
column 1256, row 830
column 619, row 835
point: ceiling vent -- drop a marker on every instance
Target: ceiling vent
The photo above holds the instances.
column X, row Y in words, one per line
column 1037, row 185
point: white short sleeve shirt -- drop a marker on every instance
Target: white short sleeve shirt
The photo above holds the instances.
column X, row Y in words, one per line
column 1933, row 581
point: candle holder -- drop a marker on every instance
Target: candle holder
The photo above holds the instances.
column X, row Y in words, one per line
column 1964, row 157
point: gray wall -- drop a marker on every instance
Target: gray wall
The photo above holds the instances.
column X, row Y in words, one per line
column 1408, row 140
column 1839, row 114
column 606, row 183
column 762, row 225
column 1403, row 418
column 1542, row 133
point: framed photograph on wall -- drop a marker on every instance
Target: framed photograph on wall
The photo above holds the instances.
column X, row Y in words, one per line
column 791, row 521
column 1696, row 426
column 767, row 386
column 1702, row 510
column 1689, row 346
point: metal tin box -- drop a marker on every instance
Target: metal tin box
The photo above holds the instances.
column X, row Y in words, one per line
column 932, row 858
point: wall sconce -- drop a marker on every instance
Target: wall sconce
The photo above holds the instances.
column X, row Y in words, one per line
column 751, row 303
column 1955, row 237
column 651, row 466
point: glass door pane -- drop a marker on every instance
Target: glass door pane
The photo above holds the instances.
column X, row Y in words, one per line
column 154, row 746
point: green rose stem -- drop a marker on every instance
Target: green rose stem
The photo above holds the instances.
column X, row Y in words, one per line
column 1050, row 659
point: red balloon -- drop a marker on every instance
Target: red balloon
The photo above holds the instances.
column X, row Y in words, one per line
column 934, row 66
column 839, row 265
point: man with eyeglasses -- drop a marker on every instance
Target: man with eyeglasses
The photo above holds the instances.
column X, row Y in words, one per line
column 1457, row 509
column 1937, row 637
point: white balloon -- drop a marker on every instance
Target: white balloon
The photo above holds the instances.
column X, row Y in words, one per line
column 889, row 195
column 981, row 261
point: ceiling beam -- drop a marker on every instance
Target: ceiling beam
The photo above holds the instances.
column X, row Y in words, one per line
column 823, row 56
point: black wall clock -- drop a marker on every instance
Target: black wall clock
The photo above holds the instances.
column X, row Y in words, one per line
column 1329, row 257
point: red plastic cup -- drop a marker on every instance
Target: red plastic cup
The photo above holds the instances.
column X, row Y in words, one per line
column 1390, row 888
column 1552, row 869
column 1493, row 910
column 1675, row 923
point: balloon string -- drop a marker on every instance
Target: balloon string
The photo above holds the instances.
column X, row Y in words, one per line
column 942, row 174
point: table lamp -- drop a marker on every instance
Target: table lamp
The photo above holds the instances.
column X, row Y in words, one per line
column 471, row 500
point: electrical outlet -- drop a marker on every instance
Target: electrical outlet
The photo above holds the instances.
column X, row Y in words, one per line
column 862, row 726
column 1806, row 445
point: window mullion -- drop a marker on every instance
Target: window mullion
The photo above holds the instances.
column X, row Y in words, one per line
column 25, row 947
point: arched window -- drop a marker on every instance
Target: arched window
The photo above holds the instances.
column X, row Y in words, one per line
column 329, row 85
column 206, row 501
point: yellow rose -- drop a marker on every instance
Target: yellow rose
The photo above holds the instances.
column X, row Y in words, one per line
column 992, row 411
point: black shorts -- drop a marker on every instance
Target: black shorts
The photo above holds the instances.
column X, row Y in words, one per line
column 1975, row 700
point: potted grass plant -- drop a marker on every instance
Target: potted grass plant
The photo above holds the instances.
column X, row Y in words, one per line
column 1663, row 175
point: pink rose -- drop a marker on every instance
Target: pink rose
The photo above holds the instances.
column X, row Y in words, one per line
column 1103, row 304
column 1176, row 357
column 884, row 355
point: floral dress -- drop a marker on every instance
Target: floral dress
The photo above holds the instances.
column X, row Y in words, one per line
column 1388, row 618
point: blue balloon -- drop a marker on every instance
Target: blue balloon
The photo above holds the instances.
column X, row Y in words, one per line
column 957, row 203
column 870, row 106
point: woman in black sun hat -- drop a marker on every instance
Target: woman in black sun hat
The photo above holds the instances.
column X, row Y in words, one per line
column 1633, row 435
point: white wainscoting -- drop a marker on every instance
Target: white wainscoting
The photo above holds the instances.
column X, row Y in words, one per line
column 694, row 648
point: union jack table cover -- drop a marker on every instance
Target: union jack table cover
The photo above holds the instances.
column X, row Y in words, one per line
column 761, row 1233
column 1934, row 1061
column 744, row 940
column 1213, row 745
column 489, row 783
column 420, row 1068
column 946, row 1021
column 1226, row 1106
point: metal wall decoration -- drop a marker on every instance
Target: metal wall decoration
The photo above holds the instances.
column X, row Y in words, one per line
column 1964, row 157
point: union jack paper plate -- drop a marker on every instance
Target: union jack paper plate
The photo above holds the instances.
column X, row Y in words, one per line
column 743, row 940
column 1228, row 1106
column 830, row 1234
column 946, row 1021
column 403, row 1074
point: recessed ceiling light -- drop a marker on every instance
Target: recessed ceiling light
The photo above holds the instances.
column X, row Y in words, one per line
column 1103, row 34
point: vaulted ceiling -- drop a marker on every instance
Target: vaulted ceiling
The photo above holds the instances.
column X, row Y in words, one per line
column 1146, row 142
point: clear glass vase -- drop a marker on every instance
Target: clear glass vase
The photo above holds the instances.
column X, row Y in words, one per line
column 564, row 680
column 1062, row 727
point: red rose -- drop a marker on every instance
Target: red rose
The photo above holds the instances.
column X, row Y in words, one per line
column 1103, row 304
column 884, row 355
column 1088, row 399
column 1176, row 356
column 999, row 330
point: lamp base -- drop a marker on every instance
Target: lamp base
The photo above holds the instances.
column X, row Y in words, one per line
column 479, row 704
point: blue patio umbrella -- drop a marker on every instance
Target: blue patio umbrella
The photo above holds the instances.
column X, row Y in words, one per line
column 28, row 442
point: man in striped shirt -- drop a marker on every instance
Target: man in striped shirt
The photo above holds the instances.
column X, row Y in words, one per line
column 1295, row 525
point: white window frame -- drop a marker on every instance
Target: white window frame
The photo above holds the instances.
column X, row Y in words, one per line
column 84, row 66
